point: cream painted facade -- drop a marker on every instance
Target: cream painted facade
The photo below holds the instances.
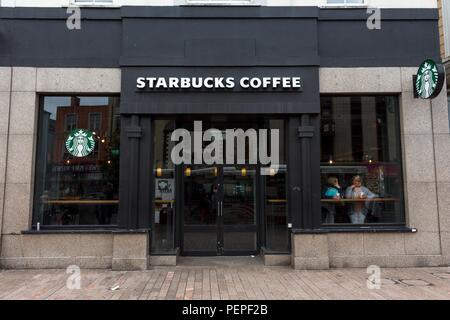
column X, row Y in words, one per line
column 425, row 146
column 321, row 3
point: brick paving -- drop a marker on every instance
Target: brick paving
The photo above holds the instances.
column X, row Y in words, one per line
column 197, row 279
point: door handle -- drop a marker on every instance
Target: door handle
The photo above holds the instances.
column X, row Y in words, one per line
column 219, row 208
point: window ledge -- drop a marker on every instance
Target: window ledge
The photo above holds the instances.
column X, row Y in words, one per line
column 218, row 3
column 345, row 6
column 84, row 231
column 324, row 230
column 90, row 3
column 94, row 6
column 265, row 251
column 174, row 252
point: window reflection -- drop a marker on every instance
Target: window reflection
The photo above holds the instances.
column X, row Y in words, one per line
column 361, row 169
column 80, row 189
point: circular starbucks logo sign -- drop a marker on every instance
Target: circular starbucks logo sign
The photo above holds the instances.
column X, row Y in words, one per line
column 80, row 143
column 430, row 79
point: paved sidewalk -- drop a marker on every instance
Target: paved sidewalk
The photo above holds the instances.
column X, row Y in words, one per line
column 227, row 279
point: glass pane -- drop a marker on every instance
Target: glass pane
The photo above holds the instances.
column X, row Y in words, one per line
column 277, row 235
column 239, row 241
column 361, row 170
column 164, row 171
column 203, row 239
column 77, row 170
column 201, row 196
column 95, row 119
column 239, row 195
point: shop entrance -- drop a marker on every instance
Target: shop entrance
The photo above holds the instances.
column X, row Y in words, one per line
column 220, row 210
column 220, row 215
column 206, row 208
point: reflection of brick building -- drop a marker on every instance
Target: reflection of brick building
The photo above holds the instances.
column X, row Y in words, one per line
column 93, row 118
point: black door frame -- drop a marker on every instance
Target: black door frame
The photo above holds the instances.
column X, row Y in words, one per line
column 223, row 228
column 180, row 185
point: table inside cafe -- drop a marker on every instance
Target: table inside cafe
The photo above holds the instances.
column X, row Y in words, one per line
column 342, row 207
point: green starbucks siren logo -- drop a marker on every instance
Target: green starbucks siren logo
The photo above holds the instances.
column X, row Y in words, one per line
column 430, row 79
column 80, row 143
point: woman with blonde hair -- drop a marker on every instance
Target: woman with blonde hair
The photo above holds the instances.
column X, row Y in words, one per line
column 359, row 209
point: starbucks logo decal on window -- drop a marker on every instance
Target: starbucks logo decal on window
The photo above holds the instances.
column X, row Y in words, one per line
column 430, row 79
column 80, row 143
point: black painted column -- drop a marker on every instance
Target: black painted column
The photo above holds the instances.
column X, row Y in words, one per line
column 146, row 174
column 135, row 173
column 314, row 170
column 304, row 172
column 294, row 176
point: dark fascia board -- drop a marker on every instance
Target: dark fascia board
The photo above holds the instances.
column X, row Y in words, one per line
column 386, row 14
column 220, row 108
column 59, row 13
column 355, row 62
column 30, row 60
column 180, row 12
column 263, row 61
column 210, row 12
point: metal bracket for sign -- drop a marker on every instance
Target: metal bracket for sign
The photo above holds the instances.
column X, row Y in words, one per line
column 416, row 94
column 134, row 132
column 306, row 132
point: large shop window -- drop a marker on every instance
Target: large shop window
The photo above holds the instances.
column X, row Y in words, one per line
column 77, row 164
column 361, row 169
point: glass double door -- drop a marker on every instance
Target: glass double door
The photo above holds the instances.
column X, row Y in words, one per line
column 219, row 210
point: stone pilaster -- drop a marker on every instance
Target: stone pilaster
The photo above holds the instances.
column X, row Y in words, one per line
column 131, row 251
column 310, row 252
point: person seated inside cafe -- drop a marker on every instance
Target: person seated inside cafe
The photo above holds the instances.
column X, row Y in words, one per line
column 331, row 191
column 359, row 209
